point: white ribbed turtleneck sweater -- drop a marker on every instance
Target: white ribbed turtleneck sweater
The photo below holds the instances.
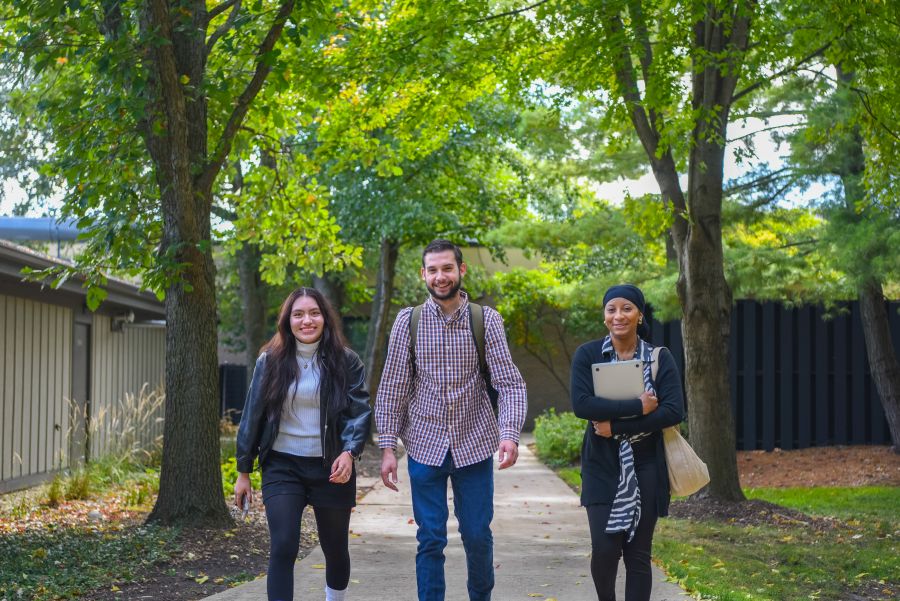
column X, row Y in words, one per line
column 299, row 432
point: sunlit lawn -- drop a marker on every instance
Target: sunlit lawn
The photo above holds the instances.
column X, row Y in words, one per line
column 860, row 555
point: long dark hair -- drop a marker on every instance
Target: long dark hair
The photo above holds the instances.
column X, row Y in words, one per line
column 281, row 358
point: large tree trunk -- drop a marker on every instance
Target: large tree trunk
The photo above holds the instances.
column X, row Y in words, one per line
column 190, row 487
column 706, row 327
column 381, row 307
column 883, row 364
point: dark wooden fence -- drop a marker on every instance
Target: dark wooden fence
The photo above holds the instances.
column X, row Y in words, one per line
column 798, row 379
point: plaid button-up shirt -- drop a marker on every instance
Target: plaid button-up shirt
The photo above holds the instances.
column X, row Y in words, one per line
column 447, row 406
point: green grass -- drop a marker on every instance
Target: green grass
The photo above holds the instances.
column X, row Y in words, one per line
column 571, row 476
column 729, row 562
column 863, row 503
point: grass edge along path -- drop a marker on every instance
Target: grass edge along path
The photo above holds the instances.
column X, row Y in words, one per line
column 823, row 553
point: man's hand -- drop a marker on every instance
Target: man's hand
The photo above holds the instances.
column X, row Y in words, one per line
column 603, row 429
column 508, row 453
column 389, row 468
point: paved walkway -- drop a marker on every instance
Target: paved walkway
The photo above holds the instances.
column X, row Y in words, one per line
column 541, row 547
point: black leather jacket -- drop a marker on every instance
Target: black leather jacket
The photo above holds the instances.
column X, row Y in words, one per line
column 346, row 430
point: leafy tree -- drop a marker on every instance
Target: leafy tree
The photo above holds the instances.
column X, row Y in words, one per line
column 459, row 191
column 671, row 73
column 141, row 103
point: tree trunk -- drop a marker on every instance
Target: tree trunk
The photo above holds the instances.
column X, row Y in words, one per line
column 883, row 363
column 333, row 291
column 253, row 302
column 381, row 307
column 706, row 327
column 190, row 485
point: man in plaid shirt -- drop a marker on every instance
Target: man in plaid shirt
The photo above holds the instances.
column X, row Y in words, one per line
column 441, row 410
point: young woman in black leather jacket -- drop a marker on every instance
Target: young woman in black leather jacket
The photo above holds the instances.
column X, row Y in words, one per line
column 306, row 418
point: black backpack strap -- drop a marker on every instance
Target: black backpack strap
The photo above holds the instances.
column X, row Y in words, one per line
column 414, row 317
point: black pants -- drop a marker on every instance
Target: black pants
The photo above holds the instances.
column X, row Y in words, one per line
column 284, row 513
column 606, row 549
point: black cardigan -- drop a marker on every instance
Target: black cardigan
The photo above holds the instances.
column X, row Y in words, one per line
column 600, row 456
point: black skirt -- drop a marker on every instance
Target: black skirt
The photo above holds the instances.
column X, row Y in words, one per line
column 306, row 477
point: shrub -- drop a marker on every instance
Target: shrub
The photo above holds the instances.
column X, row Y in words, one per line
column 55, row 492
column 558, row 437
column 78, row 486
column 230, row 474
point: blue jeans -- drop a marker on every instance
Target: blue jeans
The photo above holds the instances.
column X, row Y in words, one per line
column 473, row 506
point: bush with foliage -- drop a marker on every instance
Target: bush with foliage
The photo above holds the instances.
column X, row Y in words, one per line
column 230, row 474
column 558, row 437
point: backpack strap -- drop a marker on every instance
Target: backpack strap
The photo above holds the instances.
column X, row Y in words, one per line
column 476, row 324
column 654, row 362
column 414, row 318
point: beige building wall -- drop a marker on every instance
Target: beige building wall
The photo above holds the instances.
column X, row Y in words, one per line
column 35, row 384
column 122, row 363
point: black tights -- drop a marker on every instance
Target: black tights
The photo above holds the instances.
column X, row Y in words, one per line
column 606, row 549
column 284, row 513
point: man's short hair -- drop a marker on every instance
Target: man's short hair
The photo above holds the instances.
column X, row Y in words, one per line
column 440, row 245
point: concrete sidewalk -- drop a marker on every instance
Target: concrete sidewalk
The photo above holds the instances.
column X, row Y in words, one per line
column 541, row 546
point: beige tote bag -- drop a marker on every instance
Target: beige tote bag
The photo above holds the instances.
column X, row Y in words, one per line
column 687, row 472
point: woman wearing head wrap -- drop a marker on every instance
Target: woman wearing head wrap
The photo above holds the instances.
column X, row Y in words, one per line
column 625, row 485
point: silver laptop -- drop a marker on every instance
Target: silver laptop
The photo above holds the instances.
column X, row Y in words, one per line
column 618, row 381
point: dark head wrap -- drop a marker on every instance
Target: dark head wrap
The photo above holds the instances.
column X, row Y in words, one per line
column 634, row 294
column 626, row 291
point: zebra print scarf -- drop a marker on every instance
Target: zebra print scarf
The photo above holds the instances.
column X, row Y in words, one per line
column 626, row 508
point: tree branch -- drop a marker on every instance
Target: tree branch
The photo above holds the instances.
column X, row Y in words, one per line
column 224, row 27
column 759, row 131
column 624, row 70
column 635, row 9
column 242, row 106
column 864, row 100
column 223, row 213
column 754, row 86
column 760, row 181
column 218, row 10
column 509, row 13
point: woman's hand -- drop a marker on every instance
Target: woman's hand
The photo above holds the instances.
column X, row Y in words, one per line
column 342, row 468
column 603, row 429
column 649, row 402
column 242, row 488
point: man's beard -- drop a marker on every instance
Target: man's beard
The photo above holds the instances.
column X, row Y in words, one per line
column 450, row 294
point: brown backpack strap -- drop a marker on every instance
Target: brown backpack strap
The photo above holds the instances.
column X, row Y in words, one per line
column 654, row 362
